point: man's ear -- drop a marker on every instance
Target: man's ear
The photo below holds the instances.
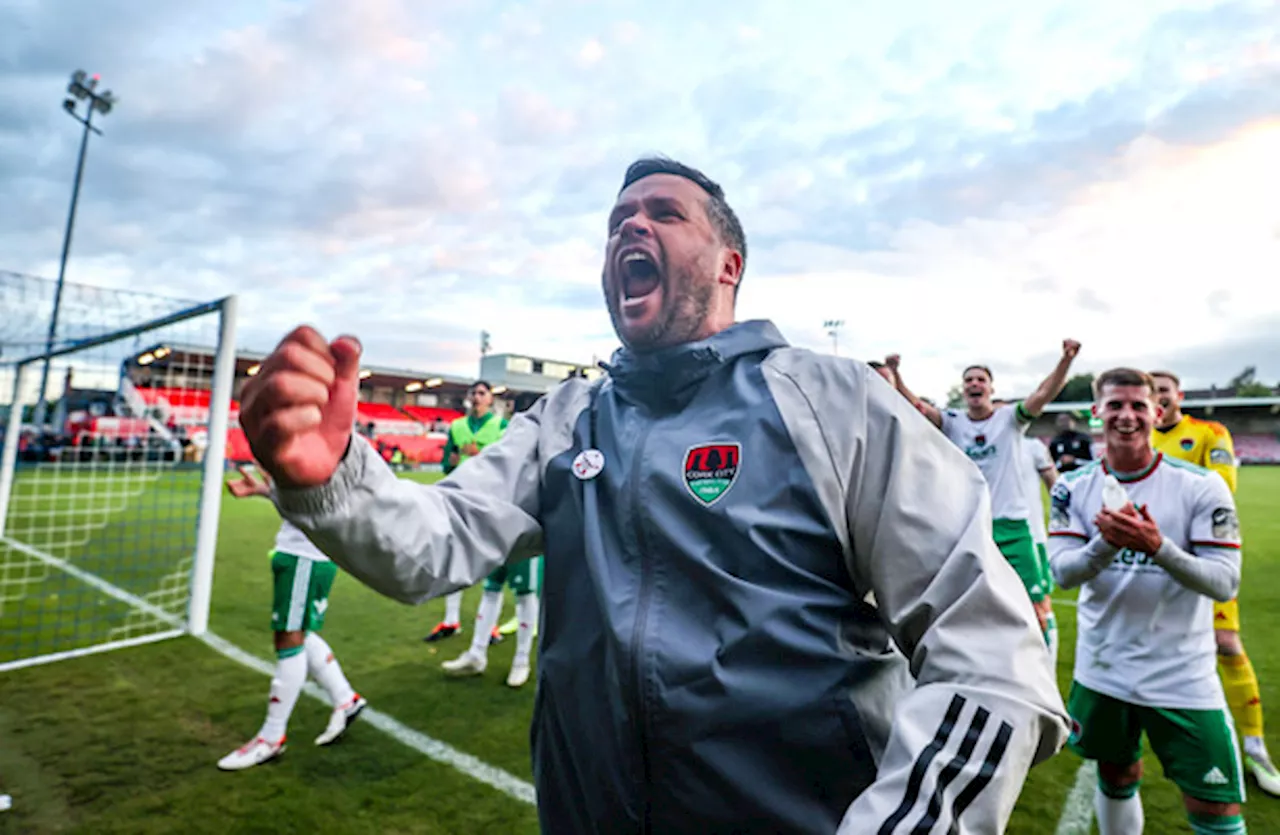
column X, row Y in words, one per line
column 730, row 268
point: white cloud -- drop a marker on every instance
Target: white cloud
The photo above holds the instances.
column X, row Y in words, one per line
column 956, row 183
column 592, row 52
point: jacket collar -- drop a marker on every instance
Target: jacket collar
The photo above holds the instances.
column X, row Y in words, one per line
column 669, row 376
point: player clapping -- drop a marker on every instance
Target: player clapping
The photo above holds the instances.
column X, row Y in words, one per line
column 1152, row 542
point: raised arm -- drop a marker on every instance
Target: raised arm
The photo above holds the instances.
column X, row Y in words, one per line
column 1052, row 385
column 413, row 542
column 408, row 541
column 893, row 362
column 985, row 706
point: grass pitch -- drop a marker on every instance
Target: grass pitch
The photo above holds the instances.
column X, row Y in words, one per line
column 126, row 741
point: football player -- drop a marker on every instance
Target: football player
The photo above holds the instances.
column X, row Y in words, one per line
column 1152, row 542
column 1208, row 444
column 302, row 579
column 992, row 438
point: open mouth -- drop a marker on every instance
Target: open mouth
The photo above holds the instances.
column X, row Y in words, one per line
column 640, row 275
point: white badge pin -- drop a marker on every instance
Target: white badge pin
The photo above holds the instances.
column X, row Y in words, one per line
column 588, row 464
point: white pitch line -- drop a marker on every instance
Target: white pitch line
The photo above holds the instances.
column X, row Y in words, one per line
column 441, row 752
column 434, row 749
column 1077, row 809
column 1077, row 812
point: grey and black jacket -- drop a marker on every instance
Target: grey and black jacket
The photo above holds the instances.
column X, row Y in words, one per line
column 777, row 608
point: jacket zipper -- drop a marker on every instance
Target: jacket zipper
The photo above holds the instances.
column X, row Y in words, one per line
column 637, row 635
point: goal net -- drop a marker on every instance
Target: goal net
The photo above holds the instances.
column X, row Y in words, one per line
column 109, row 505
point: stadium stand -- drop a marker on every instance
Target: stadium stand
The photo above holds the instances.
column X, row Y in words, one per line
column 387, row 420
column 1258, row 449
column 432, row 415
column 417, row 449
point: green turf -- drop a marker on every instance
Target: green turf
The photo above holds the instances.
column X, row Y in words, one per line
column 126, row 741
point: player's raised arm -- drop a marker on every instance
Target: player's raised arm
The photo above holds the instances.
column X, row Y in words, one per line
column 408, row 541
column 893, row 363
column 1052, row 385
column 985, row 706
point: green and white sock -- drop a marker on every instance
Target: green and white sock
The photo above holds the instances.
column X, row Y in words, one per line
column 326, row 670
column 1118, row 808
column 527, row 614
column 1217, row 824
column 486, row 618
column 286, row 684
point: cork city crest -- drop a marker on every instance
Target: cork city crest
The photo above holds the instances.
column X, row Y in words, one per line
column 711, row 469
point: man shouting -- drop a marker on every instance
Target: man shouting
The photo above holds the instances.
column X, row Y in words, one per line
column 771, row 598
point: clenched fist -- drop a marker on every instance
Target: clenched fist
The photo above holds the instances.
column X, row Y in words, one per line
column 1070, row 348
column 298, row 411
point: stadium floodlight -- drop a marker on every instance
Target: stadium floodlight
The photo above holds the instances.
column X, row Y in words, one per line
column 433, row 382
column 412, row 387
column 499, row 389
column 82, row 86
column 253, row 369
column 833, row 327
column 365, row 374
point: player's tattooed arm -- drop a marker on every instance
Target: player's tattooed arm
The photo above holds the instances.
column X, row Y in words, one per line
column 1052, row 385
column 892, row 362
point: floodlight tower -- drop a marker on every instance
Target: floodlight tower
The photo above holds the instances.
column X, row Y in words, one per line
column 833, row 327
column 82, row 86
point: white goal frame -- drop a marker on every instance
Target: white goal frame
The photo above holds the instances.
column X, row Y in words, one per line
column 196, row 621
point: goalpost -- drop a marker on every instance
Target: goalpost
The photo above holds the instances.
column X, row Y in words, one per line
column 109, row 519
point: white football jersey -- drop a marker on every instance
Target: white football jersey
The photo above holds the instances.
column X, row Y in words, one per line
column 1142, row 636
column 290, row 540
column 995, row 445
column 1038, row 459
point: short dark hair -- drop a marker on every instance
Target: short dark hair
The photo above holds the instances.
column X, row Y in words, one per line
column 1123, row 377
column 1177, row 383
column 484, row 383
column 969, row 368
column 722, row 217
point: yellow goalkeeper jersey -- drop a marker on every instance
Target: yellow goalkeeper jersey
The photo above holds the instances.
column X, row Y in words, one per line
column 1205, row 443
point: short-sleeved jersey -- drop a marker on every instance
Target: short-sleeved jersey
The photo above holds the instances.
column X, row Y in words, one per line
column 1037, row 460
column 290, row 540
column 1143, row 637
column 995, row 445
column 1205, row 443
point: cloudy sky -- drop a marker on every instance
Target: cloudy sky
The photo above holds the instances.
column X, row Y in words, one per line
column 956, row 181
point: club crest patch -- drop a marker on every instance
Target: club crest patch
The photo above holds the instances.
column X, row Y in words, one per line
column 711, row 469
column 1187, row 444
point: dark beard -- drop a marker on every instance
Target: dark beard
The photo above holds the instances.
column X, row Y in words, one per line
column 685, row 309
